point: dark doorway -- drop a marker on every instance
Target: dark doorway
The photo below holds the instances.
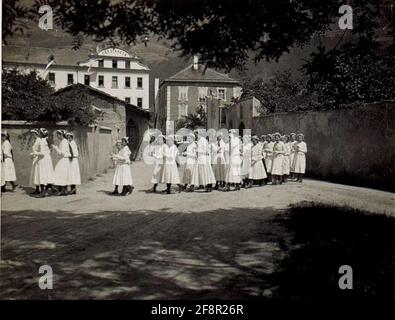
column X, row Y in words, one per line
column 132, row 132
column 241, row 128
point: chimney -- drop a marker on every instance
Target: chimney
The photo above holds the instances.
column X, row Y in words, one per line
column 195, row 62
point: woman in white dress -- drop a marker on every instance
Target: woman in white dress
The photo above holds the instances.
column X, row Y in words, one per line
column 116, row 149
column 75, row 175
column 246, row 160
column 300, row 157
column 35, row 154
column 278, row 157
column 123, row 172
column 286, row 161
column 268, row 150
column 218, row 161
column 45, row 166
column 191, row 155
column 257, row 171
column 63, row 167
column 233, row 174
column 8, row 160
column 170, row 174
column 203, row 174
column 292, row 142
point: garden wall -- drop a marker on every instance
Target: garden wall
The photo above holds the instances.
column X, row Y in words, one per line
column 94, row 143
column 353, row 146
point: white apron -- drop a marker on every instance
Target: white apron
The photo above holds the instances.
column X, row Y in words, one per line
column 218, row 150
column 62, row 168
column 257, row 171
column 8, row 161
column 278, row 157
column 190, row 163
column 203, row 172
column 75, row 175
column 123, row 172
column 286, row 160
column 246, row 164
column 268, row 150
column 170, row 171
column 157, row 153
column 292, row 156
column 300, row 157
column 45, row 166
column 233, row 174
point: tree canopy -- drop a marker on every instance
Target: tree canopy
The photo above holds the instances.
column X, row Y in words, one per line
column 28, row 97
column 225, row 33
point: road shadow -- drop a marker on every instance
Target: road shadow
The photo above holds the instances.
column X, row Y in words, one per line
column 237, row 253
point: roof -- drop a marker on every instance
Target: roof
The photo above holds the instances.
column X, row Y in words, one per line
column 201, row 75
column 104, row 94
column 39, row 55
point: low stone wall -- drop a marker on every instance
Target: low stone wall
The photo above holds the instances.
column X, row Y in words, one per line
column 353, row 146
column 95, row 145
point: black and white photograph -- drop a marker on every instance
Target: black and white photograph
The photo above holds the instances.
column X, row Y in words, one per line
column 198, row 150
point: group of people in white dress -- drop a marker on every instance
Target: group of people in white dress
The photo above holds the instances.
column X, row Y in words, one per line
column 224, row 162
column 49, row 180
column 230, row 161
column 46, row 179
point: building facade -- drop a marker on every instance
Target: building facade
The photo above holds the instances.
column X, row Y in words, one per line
column 111, row 70
column 187, row 90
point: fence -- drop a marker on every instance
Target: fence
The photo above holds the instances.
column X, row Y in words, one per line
column 94, row 143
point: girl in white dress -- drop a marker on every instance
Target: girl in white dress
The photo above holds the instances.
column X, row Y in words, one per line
column 286, row 161
column 292, row 142
column 75, row 175
column 257, row 171
column 8, row 160
column 191, row 155
column 45, row 166
column 35, row 154
column 63, row 167
column 278, row 157
column 233, row 174
column 203, row 174
column 170, row 173
column 116, row 149
column 123, row 173
column 268, row 150
column 218, row 161
column 300, row 157
column 246, row 160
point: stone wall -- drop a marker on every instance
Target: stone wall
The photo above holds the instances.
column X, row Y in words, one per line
column 353, row 146
column 95, row 145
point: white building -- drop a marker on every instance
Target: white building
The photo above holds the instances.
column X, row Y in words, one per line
column 112, row 70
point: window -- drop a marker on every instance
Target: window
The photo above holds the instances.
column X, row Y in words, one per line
column 115, row 63
column 51, row 78
column 139, row 82
column 222, row 94
column 127, row 82
column 101, row 81
column 101, row 63
column 140, row 102
column 202, row 93
column 182, row 110
column 70, row 79
column 114, row 82
column 182, row 94
column 87, row 79
column 127, row 64
column 127, row 100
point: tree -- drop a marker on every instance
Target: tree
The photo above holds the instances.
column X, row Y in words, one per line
column 28, row 97
column 193, row 120
column 223, row 33
column 281, row 93
column 25, row 96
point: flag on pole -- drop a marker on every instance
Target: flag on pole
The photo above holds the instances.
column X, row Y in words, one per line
column 49, row 64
